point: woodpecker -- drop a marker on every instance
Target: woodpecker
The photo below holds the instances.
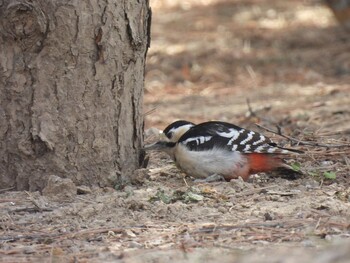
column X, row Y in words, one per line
column 218, row 148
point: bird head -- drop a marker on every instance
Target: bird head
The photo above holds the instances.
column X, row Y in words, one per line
column 175, row 130
column 169, row 137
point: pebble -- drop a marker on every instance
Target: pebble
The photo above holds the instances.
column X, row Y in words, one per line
column 83, row 189
column 308, row 243
column 134, row 244
column 222, row 209
column 60, row 189
column 269, row 216
column 255, row 213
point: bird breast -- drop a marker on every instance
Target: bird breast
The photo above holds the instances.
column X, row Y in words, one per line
column 201, row 164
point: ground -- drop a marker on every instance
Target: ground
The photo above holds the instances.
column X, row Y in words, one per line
column 276, row 63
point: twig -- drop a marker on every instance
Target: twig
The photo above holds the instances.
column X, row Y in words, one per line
column 34, row 209
column 282, row 193
column 69, row 235
column 9, row 200
column 185, row 181
column 318, row 223
column 333, row 153
column 34, row 202
column 254, row 191
column 252, row 113
column 344, row 132
column 150, row 112
column 300, row 142
column 7, row 189
column 347, row 162
column 281, row 224
column 86, row 200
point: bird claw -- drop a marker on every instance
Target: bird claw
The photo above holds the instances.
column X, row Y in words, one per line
column 210, row 179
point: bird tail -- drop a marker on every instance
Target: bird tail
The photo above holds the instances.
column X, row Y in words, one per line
column 284, row 150
column 287, row 172
column 267, row 163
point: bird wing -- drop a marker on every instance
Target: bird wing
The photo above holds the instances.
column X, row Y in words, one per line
column 216, row 134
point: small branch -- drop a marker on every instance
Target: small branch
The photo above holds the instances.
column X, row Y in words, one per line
column 150, row 112
column 255, row 190
column 5, row 200
column 6, row 189
column 71, row 234
column 34, row 209
column 253, row 113
column 300, row 142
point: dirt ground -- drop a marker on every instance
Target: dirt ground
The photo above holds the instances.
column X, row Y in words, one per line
column 275, row 63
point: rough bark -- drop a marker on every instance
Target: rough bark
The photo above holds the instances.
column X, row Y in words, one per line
column 71, row 88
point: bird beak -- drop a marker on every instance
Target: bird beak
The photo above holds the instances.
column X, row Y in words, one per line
column 159, row 146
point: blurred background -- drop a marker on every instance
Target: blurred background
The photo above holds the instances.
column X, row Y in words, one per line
column 290, row 59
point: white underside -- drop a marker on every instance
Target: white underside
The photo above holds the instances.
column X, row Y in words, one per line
column 201, row 164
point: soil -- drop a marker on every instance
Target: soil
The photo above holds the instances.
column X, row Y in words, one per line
column 276, row 63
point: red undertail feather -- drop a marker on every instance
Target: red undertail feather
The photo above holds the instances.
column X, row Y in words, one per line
column 259, row 162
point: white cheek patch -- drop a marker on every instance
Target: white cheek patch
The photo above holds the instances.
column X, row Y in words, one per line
column 172, row 130
column 176, row 132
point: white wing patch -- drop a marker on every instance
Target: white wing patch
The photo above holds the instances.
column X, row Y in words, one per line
column 285, row 151
column 246, row 148
column 271, row 150
column 249, row 138
column 262, row 139
column 199, row 140
column 177, row 132
column 232, row 133
column 259, row 149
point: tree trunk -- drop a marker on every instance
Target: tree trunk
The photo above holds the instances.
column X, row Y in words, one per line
column 71, row 89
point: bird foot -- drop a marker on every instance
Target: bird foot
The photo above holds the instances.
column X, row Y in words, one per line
column 210, row 179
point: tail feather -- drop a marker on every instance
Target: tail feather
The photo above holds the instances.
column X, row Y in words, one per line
column 289, row 150
column 288, row 173
column 284, row 150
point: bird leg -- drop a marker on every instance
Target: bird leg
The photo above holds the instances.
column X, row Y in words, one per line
column 210, row 179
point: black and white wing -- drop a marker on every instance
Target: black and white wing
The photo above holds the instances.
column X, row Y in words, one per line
column 216, row 134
